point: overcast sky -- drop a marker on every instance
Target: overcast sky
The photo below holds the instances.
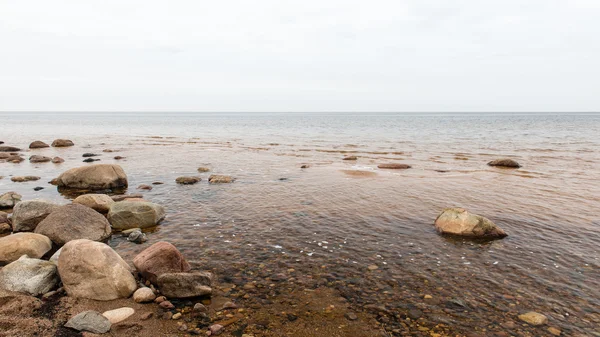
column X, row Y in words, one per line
column 324, row 55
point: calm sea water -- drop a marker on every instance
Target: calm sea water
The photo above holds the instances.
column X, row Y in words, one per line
column 335, row 218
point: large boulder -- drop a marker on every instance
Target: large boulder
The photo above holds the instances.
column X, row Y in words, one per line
column 93, row 270
column 135, row 214
column 97, row 202
column 62, row 143
column 31, row 276
column 72, row 222
column 458, row 221
column 160, row 258
column 93, row 177
column 183, row 285
column 16, row 245
column 9, row 199
column 505, row 162
column 28, row 214
column 38, row 144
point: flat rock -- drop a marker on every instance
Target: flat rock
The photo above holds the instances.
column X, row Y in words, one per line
column 458, row 221
column 98, row 202
column 22, row 179
column 93, row 270
column 32, row 276
column 184, row 285
column 62, row 143
column 9, row 149
column 534, row 318
column 38, row 144
column 28, row 214
column 350, row 158
column 144, row 187
column 144, row 295
column 505, row 162
column 87, row 155
column 187, row 180
column 94, row 177
column 16, row 245
column 393, row 166
column 203, row 169
column 9, row 199
column 135, row 214
column 72, row 222
column 162, row 257
column 39, row 159
column 91, row 321
column 118, row 315
column 220, row 179
column 57, row 160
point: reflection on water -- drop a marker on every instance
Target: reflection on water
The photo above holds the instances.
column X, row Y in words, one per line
column 334, row 219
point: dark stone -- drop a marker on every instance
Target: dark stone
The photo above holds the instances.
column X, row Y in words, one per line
column 87, row 155
column 39, row 188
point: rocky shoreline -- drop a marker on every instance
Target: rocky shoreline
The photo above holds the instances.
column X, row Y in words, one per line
column 61, row 279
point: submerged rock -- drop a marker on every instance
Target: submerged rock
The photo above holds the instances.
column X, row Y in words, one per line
column 39, row 159
column 187, row 180
column 98, row 202
column 394, row 166
column 137, row 237
column 184, row 285
column 62, row 143
column 72, row 222
column 135, row 214
column 144, row 187
column 534, row 318
column 9, row 149
column 506, row 162
column 350, row 158
column 38, row 144
column 15, row 159
column 94, row 177
column 32, row 276
column 90, row 160
column 57, row 160
column 9, row 199
column 220, row 179
column 16, row 245
column 23, row 179
column 28, row 214
column 91, row 321
column 93, row 270
column 160, row 258
column 458, row 221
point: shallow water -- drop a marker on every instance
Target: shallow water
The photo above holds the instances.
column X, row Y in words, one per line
column 330, row 222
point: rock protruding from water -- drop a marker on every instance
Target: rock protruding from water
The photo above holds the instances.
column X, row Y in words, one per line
column 505, row 162
column 94, row 177
column 9, row 199
column 98, row 202
column 160, row 258
column 458, row 221
column 57, row 160
column 220, row 179
column 184, row 285
column 28, row 214
column 91, row 321
column 31, row 276
column 23, row 179
column 72, row 222
column 62, row 143
column 39, row 159
column 16, row 245
column 38, row 144
column 187, row 180
column 394, row 166
column 135, row 214
column 9, row 149
column 534, row 318
column 93, row 270
column 203, row 169
column 350, row 158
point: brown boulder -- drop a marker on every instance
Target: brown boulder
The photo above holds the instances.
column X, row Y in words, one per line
column 9, row 199
column 38, row 144
column 220, row 179
column 62, row 143
column 39, row 159
column 94, row 177
column 187, row 180
column 203, row 169
column 458, row 221
column 394, row 166
column 28, row 214
column 506, row 162
column 97, row 202
column 95, row 271
column 13, row 246
column 72, row 222
column 57, row 160
column 9, row 149
column 162, row 257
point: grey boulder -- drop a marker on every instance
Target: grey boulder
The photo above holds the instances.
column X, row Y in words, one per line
column 135, row 214
column 91, row 321
column 31, row 276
